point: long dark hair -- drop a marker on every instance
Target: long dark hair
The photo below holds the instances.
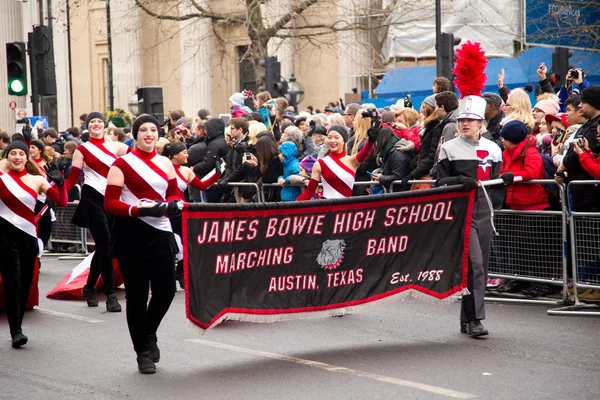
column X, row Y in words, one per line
column 385, row 134
column 266, row 150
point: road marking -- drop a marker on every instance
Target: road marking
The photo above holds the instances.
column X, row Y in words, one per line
column 70, row 316
column 333, row 368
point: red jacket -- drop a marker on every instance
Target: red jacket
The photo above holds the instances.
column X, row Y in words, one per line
column 590, row 165
column 410, row 134
column 524, row 160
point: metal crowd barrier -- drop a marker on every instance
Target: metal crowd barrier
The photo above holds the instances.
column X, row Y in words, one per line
column 585, row 255
column 276, row 185
column 64, row 231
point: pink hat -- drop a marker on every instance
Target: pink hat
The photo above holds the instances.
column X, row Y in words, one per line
column 548, row 106
column 307, row 163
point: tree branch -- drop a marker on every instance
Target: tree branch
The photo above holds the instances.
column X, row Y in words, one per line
column 203, row 13
column 288, row 17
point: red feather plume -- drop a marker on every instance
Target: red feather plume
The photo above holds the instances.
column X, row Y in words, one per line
column 469, row 69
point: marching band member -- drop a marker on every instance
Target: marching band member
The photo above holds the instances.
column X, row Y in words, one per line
column 142, row 238
column 337, row 170
column 178, row 154
column 19, row 245
column 95, row 158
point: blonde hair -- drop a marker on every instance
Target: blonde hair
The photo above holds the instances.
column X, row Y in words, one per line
column 262, row 98
column 254, row 130
column 410, row 116
column 361, row 126
column 521, row 105
column 547, row 96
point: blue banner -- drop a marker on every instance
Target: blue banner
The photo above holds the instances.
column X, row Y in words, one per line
column 563, row 23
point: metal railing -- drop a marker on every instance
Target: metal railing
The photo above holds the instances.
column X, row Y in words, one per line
column 585, row 256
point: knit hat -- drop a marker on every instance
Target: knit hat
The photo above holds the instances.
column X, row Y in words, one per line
column 237, row 99
column 308, row 163
column 341, row 130
column 528, row 88
column 560, row 117
column 93, row 115
column 591, row 95
column 514, row 131
column 142, row 119
column 317, row 130
column 430, row 100
column 548, row 106
column 492, row 98
column 39, row 144
column 18, row 144
column 175, row 148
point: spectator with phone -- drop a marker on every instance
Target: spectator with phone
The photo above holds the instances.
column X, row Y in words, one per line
column 575, row 120
column 585, row 198
column 575, row 82
column 545, row 84
column 234, row 170
column 216, row 148
column 395, row 155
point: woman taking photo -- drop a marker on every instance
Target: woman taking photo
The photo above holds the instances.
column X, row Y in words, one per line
column 142, row 238
column 337, row 170
column 19, row 245
column 95, row 158
column 178, row 154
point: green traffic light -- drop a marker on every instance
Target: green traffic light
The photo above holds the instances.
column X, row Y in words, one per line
column 16, row 86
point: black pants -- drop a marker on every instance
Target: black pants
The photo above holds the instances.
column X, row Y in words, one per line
column 16, row 268
column 101, row 263
column 140, row 275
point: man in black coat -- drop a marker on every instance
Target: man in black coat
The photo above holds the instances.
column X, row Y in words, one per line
column 493, row 115
column 216, row 149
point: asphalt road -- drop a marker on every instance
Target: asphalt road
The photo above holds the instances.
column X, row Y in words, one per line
column 405, row 350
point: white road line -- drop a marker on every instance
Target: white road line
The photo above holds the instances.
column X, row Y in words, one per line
column 69, row 316
column 333, row 368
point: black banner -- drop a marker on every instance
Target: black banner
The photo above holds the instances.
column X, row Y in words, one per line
column 269, row 262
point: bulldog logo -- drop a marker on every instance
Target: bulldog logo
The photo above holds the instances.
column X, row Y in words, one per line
column 331, row 254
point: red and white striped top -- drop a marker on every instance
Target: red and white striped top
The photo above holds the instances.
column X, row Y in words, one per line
column 144, row 180
column 337, row 178
column 17, row 202
column 97, row 161
column 181, row 181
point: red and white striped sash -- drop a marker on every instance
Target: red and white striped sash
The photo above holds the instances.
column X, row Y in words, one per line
column 97, row 161
column 338, row 179
column 181, row 181
column 17, row 204
column 144, row 180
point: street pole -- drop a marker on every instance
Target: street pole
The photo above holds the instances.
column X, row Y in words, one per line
column 438, row 35
column 35, row 101
column 111, row 97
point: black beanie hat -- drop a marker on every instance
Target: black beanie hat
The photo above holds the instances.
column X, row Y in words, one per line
column 39, row 144
column 92, row 115
column 18, row 144
column 139, row 121
column 591, row 95
column 341, row 130
column 514, row 131
column 176, row 148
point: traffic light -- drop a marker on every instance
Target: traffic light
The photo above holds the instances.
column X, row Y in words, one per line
column 281, row 88
column 150, row 101
column 16, row 67
column 44, row 55
column 445, row 55
column 271, row 75
column 560, row 62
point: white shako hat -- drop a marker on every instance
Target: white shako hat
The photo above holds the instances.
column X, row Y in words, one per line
column 471, row 107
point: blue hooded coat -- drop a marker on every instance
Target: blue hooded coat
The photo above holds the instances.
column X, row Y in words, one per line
column 291, row 166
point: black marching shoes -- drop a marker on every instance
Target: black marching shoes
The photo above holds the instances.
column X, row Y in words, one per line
column 18, row 340
column 474, row 328
column 112, row 304
column 153, row 347
column 145, row 363
column 90, row 296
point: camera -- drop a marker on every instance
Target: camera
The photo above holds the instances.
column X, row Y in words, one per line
column 407, row 102
column 575, row 74
column 370, row 113
column 248, row 157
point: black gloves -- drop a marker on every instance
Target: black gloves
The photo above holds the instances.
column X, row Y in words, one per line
column 405, row 180
column 54, row 174
column 468, row 183
column 372, row 133
column 218, row 166
column 222, row 183
column 508, row 178
column 158, row 210
column 26, row 131
column 173, row 208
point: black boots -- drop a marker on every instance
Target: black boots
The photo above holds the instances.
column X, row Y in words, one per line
column 474, row 328
column 90, row 296
column 18, row 340
column 145, row 363
column 153, row 347
column 112, row 304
